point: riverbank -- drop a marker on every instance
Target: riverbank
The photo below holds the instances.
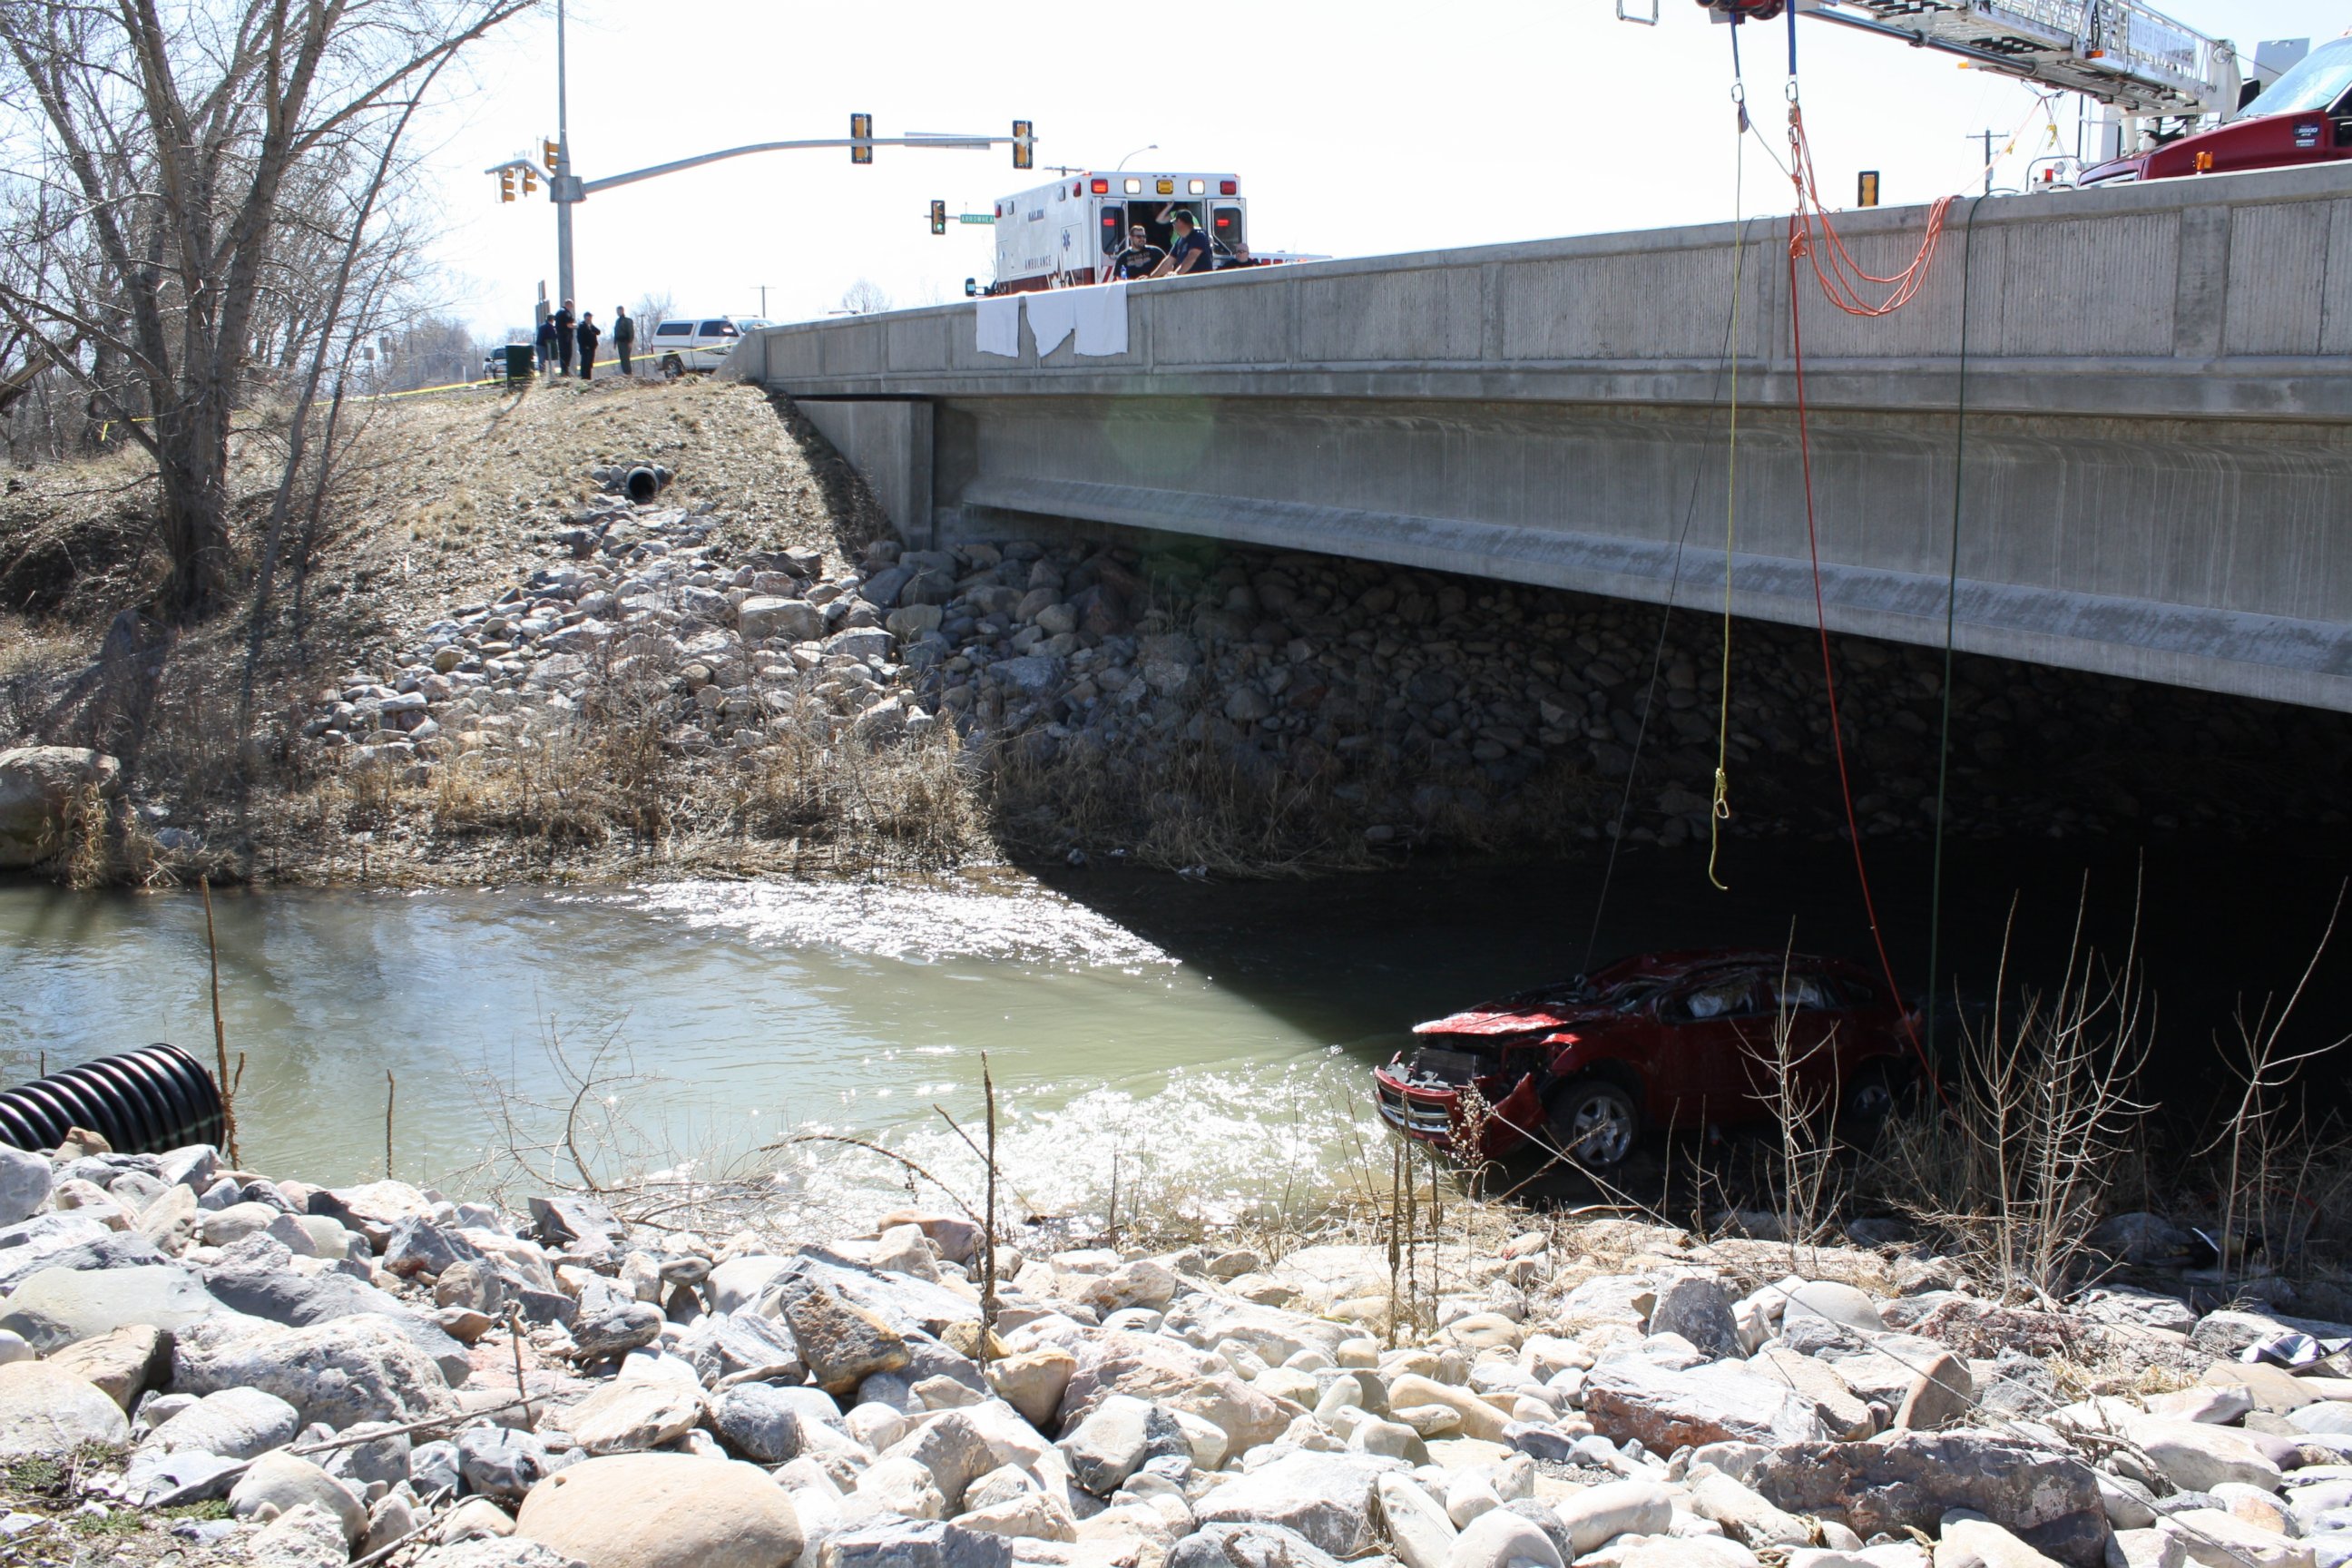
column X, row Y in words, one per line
column 498, row 667
column 208, row 1365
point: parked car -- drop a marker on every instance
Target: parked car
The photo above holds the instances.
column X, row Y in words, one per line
column 682, row 343
column 1660, row 1040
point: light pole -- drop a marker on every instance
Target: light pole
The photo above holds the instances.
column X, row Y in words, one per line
column 559, row 188
column 1122, row 162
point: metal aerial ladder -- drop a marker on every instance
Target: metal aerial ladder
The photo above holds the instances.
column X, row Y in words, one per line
column 2117, row 52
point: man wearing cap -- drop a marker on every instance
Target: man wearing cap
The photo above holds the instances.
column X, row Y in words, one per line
column 1187, row 253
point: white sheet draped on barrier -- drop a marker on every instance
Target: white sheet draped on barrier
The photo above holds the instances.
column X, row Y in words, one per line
column 996, row 326
column 1102, row 319
column 1052, row 315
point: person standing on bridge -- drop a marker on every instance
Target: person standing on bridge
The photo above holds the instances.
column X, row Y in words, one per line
column 1140, row 260
column 566, row 324
column 1187, row 253
column 545, row 341
column 625, row 335
column 587, row 333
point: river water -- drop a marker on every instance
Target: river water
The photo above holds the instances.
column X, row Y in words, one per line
column 1199, row 1043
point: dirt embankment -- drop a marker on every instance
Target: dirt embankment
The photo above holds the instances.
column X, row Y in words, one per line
column 483, row 663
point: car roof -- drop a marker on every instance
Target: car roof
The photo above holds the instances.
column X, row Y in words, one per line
column 1688, row 963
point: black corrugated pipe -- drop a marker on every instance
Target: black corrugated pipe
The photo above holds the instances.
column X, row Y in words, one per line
column 142, row 1102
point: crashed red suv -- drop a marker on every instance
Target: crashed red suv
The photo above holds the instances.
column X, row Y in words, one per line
column 1666, row 1040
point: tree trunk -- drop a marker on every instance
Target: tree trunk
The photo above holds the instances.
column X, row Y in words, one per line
column 191, row 464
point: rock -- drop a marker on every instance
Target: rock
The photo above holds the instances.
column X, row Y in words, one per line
column 1598, row 1515
column 383, row 1457
column 1115, row 1439
column 1500, row 1539
column 373, row 1209
column 2144, row 1548
column 578, row 1227
column 1032, row 1382
column 1416, row 1525
column 256, row 1276
column 841, row 1343
column 763, row 616
column 1479, row 1419
column 629, row 1415
column 1248, row 1546
column 280, row 1483
column 1327, row 1497
column 2266, row 1387
column 168, row 1480
column 1032, row 1516
column 760, row 1421
column 663, row 1511
column 46, row 1412
column 472, row 1285
column 1840, row 1304
column 2196, row 1457
column 1844, row 1414
column 476, row 1518
column 24, row 1182
column 954, row 1449
column 2218, row 1540
column 170, row 1221
column 236, row 1423
column 123, row 1364
column 1909, row 1480
column 500, row 1463
column 2141, row 1238
column 1970, row 1543
column 56, row 1307
column 899, row 1487
column 421, row 1247
column 227, row 1227
column 1142, row 1283
column 1941, row 1396
column 614, row 1328
column 304, row 1538
column 2331, row 1416
column 513, row 1552
column 354, row 1369
column 1699, row 1309
column 914, row 1544
column 1721, row 1402
column 1745, row 1516
column 42, row 791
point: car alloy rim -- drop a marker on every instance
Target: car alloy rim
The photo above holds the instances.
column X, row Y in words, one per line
column 1598, row 1132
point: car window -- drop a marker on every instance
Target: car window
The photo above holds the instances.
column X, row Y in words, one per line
column 1802, row 992
column 1725, row 996
column 674, row 330
column 717, row 329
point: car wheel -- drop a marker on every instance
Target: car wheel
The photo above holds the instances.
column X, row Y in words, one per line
column 672, row 366
column 1594, row 1123
column 1876, row 1093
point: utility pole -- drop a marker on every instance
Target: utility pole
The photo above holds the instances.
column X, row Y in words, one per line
column 1986, row 137
column 560, row 188
column 762, row 287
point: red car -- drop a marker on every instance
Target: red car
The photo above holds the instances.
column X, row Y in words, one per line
column 1664, row 1039
column 2304, row 117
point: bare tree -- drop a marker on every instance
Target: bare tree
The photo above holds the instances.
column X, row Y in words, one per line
column 178, row 127
column 865, row 297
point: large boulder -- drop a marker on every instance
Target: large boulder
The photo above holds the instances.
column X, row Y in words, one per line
column 236, row 1423
column 1249, row 1546
column 628, row 1415
column 25, row 1181
column 1721, row 1402
column 1327, row 1497
column 46, row 1412
column 256, row 1276
column 914, row 1544
column 843, row 1344
column 57, row 1306
column 42, row 792
column 355, row 1369
column 1699, row 1309
column 663, row 1511
column 280, row 1483
column 1910, row 1480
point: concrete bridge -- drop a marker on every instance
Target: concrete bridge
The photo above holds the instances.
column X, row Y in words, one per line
column 2156, row 473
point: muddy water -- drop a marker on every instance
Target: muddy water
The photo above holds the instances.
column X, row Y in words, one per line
column 1206, row 1041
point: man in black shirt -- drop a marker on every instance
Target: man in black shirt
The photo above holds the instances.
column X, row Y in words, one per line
column 566, row 324
column 1188, row 253
column 1138, row 260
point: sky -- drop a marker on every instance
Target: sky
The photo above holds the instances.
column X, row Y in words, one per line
column 1356, row 129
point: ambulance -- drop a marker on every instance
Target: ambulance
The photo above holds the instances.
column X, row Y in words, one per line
column 1066, row 234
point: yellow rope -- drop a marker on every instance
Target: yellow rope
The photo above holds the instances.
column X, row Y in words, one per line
column 1718, row 810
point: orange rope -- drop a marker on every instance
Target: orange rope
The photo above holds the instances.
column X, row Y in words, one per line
column 1845, row 281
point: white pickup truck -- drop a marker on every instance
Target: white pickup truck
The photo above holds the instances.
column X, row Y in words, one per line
column 682, row 343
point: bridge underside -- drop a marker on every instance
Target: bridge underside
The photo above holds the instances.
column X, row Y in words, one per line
column 2115, row 545
column 2154, row 478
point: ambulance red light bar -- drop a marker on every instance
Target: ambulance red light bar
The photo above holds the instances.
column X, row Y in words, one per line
column 1101, row 187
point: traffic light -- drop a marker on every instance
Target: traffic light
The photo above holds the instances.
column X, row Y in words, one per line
column 551, row 154
column 1024, row 143
column 506, row 184
column 939, row 217
column 530, row 179
column 861, row 130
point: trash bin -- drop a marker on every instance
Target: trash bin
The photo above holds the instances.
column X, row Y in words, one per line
column 520, row 365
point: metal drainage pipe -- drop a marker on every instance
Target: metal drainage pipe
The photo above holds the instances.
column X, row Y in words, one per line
column 143, row 1102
